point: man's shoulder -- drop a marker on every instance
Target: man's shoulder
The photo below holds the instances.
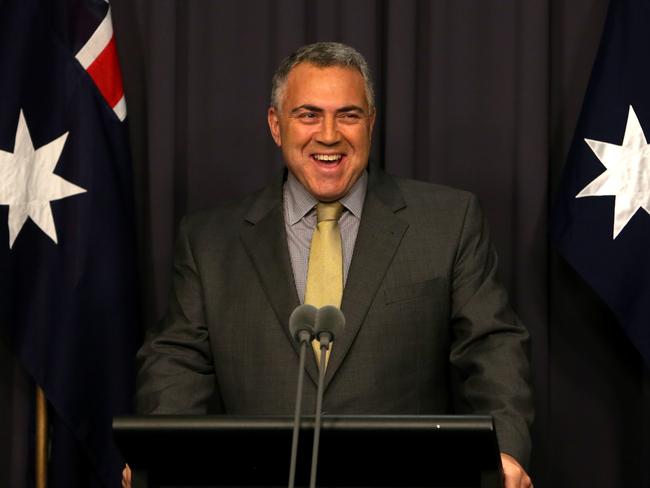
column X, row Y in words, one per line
column 222, row 218
column 417, row 187
column 417, row 193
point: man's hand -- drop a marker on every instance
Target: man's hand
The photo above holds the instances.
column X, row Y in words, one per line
column 126, row 477
column 514, row 476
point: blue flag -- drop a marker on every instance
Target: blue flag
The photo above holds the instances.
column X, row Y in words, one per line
column 601, row 221
column 67, row 248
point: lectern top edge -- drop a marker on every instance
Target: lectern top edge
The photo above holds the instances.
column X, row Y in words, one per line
column 330, row 422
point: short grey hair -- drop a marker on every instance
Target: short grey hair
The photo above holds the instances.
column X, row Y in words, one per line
column 323, row 55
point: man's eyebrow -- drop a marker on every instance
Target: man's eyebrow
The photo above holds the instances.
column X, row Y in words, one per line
column 351, row 108
column 314, row 108
column 311, row 108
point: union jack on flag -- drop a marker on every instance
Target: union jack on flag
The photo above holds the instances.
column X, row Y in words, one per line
column 98, row 54
column 68, row 291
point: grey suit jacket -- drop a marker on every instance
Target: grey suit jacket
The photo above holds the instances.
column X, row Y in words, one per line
column 429, row 329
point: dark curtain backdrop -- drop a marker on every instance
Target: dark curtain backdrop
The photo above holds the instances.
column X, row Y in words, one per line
column 478, row 94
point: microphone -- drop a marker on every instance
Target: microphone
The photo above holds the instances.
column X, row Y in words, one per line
column 329, row 324
column 301, row 323
column 301, row 326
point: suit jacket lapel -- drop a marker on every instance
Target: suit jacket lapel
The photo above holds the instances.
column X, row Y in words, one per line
column 265, row 241
column 380, row 233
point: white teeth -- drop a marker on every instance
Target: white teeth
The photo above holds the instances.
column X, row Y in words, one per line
column 328, row 157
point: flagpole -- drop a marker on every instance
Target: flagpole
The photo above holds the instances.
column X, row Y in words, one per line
column 645, row 440
column 41, row 438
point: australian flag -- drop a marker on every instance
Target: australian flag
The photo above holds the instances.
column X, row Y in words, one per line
column 601, row 221
column 67, row 264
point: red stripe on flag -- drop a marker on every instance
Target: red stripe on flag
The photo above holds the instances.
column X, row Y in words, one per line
column 105, row 72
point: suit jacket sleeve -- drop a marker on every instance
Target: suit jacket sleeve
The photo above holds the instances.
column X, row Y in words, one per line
column 176, row 372
column 489, row 348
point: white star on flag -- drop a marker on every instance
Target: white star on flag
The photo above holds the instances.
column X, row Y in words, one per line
column 28, row 183
column 627, row 177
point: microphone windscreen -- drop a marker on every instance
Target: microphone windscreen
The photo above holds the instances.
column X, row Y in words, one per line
column 330, row 319
column 302, row 318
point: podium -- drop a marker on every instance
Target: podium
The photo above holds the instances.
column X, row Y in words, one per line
column 355, row 451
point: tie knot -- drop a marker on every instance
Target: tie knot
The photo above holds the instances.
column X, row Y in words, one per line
column 328, row 211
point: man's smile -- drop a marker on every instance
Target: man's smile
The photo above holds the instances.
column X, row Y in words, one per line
column 327, row 157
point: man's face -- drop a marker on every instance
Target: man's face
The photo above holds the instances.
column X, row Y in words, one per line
column 323, row 127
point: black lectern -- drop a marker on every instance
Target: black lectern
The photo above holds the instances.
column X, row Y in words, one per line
column 355, row 451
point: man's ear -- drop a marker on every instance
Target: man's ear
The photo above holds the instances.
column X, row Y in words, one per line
column 274, row 125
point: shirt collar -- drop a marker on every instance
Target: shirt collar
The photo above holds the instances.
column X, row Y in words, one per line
column 299, row 202
column 353, row 200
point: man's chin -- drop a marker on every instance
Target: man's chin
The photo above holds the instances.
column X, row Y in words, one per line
column 329, row 194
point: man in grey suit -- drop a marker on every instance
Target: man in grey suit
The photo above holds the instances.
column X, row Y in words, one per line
column 428, row 327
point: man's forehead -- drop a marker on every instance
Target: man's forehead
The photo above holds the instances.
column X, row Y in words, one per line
column 309, row 84
column 307, row 70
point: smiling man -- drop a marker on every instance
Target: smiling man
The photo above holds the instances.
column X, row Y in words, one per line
column 428, row 327
column 323, row 123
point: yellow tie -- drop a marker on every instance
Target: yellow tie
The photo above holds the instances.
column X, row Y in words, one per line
column 325, row 271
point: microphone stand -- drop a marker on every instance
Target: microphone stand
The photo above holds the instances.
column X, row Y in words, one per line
column 304, row 337
column 325, row 339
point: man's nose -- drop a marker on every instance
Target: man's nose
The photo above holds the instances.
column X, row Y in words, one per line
column 329, row 133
